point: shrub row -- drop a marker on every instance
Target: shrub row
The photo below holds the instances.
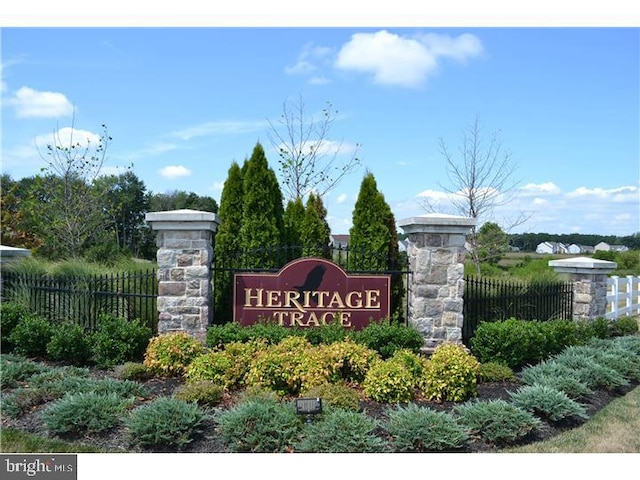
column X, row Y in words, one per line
column 385, row 337
column 116, row 340
column 517, row 343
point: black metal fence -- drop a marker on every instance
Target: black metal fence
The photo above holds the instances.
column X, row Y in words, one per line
column 84, row 299
column 492, row 300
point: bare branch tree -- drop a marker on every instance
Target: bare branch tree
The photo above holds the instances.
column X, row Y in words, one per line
column 309, row 159
column 481, row 179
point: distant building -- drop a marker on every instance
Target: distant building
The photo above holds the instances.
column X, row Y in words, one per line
column 339, row 241
column 552, row 248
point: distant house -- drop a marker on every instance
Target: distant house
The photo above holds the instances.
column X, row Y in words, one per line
column 574, row 249
column 551, row 248
column 339, row 241
column 602, row 246
column 619, row 248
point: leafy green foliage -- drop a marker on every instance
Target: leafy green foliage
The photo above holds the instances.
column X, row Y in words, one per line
column 548, row 403
column 387, row 337
column 389, row 381
column 325, row 334
column 10, row 315
column 495, row 372
column 70, row 343
column 335, row 395
column 259, row 425
column 118, row 340
column 171, row 353
column 164, row 423
column 341, row 431
column 497, row 421
column 212, row 366
column 204, row 393
column 287, row 368
column 135, row 371
column 31, row 336
column 420, row 429
column 450, row 374
column 346, row 360
column 77, row 414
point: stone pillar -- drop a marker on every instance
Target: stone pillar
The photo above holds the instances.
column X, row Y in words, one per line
column 185, row 252
column 589, row 277
column 436, row 257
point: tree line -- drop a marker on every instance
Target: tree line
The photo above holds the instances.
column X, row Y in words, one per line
column 527, row 242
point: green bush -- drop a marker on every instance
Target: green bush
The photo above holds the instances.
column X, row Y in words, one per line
column 135, row 371
column 346, row 360
column 23, row 399
column 387, row 337
column 219, row 335
column 548, row 403
column 497, row 421
column 287, row 368
column 624, row 326
column 451, row 374
column 205, row 393
column 259, row 425
column 169, row 354
column 71, row 344
column 118, row 340
column 10, row 315
column 325, row 334
column 420, row 429
column 211, row 366
column 389, row 381
column 511, row 342
column 341, row 431
column 165, row 423
column 31, row 336
column 495, row 372
column 335, row 395
column 77, row 414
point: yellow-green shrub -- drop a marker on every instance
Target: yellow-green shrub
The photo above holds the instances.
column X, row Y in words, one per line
column 389, row 381
column 170, row 353
column 287, row 368
column 450, row 374
column 347, row 360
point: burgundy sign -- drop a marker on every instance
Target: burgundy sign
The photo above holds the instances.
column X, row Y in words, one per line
column 310, row 292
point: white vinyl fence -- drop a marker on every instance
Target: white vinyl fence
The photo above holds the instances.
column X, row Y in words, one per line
column 623, row 296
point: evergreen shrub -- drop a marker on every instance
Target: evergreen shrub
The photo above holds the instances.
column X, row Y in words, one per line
column 31, row 336
column 335, row 395
column 420, row 429
column 558, row 376
column 387, row 337
column 80, row 413
column 495, row 372
column 71, row 344
column 204, row 392
column 497, row 421
column 165, row 422
column 259, row 424
column 548, row 403
column 10, row 315
column 341, row 431
column 118, row 340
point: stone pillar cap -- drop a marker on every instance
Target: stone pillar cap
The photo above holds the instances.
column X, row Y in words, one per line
column 437, row 223
column 184, row 219
column 583, row 265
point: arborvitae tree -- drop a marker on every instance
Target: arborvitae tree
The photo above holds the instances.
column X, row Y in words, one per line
column 293, row 220
column 227, row 243
column 373, row 242
column 262, row 228
column 315, row 229
column 369, row 236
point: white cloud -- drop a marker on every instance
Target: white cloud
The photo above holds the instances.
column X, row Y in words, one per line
column 220, row 128
column 30, row 103
column 174, row 171
column 67, row 136
column 306, row 63
column 342, row 198
column 547, row 188
column 403, row 61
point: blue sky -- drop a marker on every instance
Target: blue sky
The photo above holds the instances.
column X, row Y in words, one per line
column 182, row 103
